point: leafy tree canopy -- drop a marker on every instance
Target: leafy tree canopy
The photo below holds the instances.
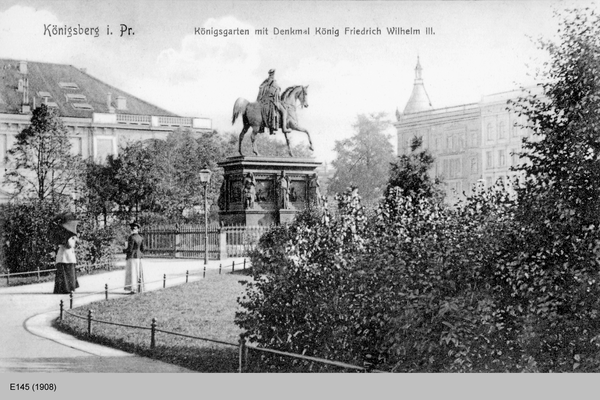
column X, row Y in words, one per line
column 363, row 161
column 42, row 165
column 410, row 174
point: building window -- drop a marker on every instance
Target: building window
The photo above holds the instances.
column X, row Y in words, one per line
column 490, row 131
column 104, row 147
column 68, row 85
column 514, row 157
column 501, row 131
column 449, row 143
column 76, row 146
column 473, row 165
column 489, row 161
column 501, row 158
column 3, row 148
column 514, row 132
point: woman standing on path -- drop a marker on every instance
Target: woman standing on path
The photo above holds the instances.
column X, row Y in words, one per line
column 133, row 264
column 65, row 280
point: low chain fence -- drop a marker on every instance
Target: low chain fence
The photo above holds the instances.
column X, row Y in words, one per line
column 246, row 363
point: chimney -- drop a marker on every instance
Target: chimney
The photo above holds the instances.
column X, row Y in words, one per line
column 111, row 109
column 23, row 67
column 121, row 103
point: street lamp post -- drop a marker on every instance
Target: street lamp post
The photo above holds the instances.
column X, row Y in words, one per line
column 205, row 179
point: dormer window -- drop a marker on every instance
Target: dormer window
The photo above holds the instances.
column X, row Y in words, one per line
column 83, row 106
column 75, row 97
column 68, row 85
column 44, row 94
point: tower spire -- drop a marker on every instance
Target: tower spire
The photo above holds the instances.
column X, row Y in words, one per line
column 419, row 99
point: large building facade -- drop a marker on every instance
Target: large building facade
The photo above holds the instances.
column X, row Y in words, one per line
column 472, row 143
column 99, row 118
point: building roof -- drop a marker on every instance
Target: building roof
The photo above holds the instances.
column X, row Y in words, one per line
column 419, row 100
column 74, row 92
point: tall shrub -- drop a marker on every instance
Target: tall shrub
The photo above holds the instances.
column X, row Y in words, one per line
column 27, row 244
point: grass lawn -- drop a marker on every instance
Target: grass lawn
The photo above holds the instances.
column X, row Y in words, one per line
column 205, row 308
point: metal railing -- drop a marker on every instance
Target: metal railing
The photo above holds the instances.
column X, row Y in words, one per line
column 187, row 241
column 134, row 119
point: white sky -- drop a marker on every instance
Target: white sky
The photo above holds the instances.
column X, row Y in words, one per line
column 479, row 47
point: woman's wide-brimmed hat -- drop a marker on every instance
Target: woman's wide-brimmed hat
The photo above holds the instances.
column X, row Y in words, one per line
column 69, row 222
column 63, row 227
column 134, row 225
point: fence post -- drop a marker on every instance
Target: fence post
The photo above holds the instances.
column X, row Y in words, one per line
column 222, row 244
column 177, row 240
column 204, row 272
column 106, row 291
column 71, row 300
column 244, row 264
column 153, row 334
column 139, row 285
column 61, row 310
column 187, row 274
column 38, row 272
column 232, row 266
column 164, row 280
column 7, row 276
column 90, row 322
column 220, row 268
column 241, row 354
column 368, row 364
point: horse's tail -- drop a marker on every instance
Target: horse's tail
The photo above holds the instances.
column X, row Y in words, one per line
column 238, row 108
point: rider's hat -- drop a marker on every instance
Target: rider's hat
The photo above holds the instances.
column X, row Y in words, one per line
column 271, row 71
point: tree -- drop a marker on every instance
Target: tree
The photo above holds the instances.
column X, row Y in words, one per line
column 555, row 277
column 410, row 174
column 158, row 178
column 135, row 176
column 363, row 161
column 100, row 190
column 180, row 159
column 43, row 166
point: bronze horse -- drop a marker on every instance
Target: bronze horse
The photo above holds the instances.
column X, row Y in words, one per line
column 252, row 116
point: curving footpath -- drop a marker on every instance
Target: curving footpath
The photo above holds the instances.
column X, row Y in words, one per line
column 31, row 344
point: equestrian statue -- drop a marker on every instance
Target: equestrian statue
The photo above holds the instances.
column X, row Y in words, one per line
column 272, row 110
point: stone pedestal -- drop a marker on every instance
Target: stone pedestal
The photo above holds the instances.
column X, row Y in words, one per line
column 268, row 208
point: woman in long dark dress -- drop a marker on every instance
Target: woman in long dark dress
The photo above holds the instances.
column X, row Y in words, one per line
column 133, row 260
column 65, row 280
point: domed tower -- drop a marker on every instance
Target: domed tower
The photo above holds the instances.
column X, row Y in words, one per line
column 419, row 100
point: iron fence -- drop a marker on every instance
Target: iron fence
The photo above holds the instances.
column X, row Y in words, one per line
column 188, row 241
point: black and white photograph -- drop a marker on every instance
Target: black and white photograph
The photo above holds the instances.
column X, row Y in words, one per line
column 277, row 195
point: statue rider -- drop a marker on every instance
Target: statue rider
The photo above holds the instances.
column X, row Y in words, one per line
column 269, row 97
